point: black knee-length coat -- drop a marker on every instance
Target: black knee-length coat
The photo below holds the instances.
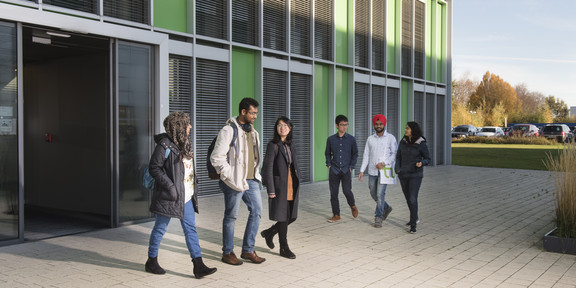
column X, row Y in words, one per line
column 275, row 178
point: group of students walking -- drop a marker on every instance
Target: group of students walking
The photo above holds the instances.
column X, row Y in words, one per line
column 236, row 158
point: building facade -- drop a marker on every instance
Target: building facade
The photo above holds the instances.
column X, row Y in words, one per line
column 84, row 84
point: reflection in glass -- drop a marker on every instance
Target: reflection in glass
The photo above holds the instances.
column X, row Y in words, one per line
column 134, row 122
column 8, row 134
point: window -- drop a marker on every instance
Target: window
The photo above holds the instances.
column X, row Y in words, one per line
column 392, row 115
column 180, row 84
column 211, row 18
column 274, row 102
column 323, row 29
column 245, row 21
column 301, row 15
column 419, row 40
column 211, row 115
column 130, row 10
column 301, row 116
column 361, row 120
column 406, row 38
column 362, row 32
column 275, row 24
column 89, row 6
column 378, row 32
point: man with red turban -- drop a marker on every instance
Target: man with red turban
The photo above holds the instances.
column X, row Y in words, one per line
column 379, row 153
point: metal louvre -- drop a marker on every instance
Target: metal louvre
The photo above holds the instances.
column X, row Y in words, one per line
column 378, row 32
column 300, row 15
column 245, row 21
column 361, row 120
column 419, row 39
column 274, row 102
column 130, row 10
column 378, row 98
column 430, row 123
column 440, row 130
column 323, row 29
column 275, row 24
column 406, row 37
column 419, row 107
column 211, row 18
column 392, row 116
column 180, row 84
column 362, row 32
column 89, row 6
column 211, row 115
column 301, row 116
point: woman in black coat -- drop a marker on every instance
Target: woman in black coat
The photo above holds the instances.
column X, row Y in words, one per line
column 281, row 176
column 411, row 158
column 175, row 191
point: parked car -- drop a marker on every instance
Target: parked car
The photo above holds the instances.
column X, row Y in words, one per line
column 525, row 130
column 490, row 131
column 560, row 132
column 462, row 131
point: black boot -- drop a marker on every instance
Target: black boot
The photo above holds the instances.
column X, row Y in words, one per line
column 200, row 270
column 268, row 234
column 153, row 267
column 285, row 252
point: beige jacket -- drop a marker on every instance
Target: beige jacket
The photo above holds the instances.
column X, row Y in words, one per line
column 231, row 163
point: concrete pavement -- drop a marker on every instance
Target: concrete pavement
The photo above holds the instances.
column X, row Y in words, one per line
column 479, row 227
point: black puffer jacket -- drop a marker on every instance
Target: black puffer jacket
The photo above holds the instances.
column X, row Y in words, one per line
column 168, row 196
column 408, row 155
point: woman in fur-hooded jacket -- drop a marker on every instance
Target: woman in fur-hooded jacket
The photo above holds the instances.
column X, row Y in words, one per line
column 175, row 191
column 411, row 158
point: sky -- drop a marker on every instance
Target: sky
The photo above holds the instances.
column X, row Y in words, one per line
column 522, row 41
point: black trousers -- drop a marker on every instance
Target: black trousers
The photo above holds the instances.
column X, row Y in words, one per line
column 410, row 187
column 334, row 182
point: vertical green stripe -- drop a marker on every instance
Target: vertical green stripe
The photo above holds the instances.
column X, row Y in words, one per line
column 442, row 52
column 428, row 38
column 322, row 123
column 391, row 35
column 341, row 23
column 341, row 93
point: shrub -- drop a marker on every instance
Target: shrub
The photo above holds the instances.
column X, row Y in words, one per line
column 505, row 140
column 563, row 168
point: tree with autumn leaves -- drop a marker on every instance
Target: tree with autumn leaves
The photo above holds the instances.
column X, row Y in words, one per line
column 494, row 102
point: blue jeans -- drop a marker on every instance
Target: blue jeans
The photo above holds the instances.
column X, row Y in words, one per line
column 188, row 226
column 378, row 192
column 253, row 201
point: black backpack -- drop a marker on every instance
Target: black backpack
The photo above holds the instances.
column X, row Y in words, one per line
column 211, row 170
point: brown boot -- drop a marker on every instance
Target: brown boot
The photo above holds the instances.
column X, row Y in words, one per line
column 334, row 218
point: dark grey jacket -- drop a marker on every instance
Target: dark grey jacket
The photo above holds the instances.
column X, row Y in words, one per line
column 275, row 178
column 408, row 155
column 168, row 196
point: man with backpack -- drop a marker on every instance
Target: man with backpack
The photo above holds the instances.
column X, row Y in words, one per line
column 237, row 163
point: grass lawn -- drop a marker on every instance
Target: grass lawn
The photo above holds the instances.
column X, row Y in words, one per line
column 502, row 155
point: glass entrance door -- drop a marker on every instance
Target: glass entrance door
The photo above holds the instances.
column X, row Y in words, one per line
column 134, row 120
column 9, row 173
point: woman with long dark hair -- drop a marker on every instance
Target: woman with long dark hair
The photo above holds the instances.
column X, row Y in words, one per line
column 175, row 191
column 281, row 176
column 411, row 158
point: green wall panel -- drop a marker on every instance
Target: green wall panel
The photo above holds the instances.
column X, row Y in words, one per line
column 171, row 15
column 341, row 94
column 341, row 23
column 243, row 78
column 322, row 124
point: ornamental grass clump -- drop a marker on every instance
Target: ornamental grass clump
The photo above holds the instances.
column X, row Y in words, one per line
column 563, row 166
